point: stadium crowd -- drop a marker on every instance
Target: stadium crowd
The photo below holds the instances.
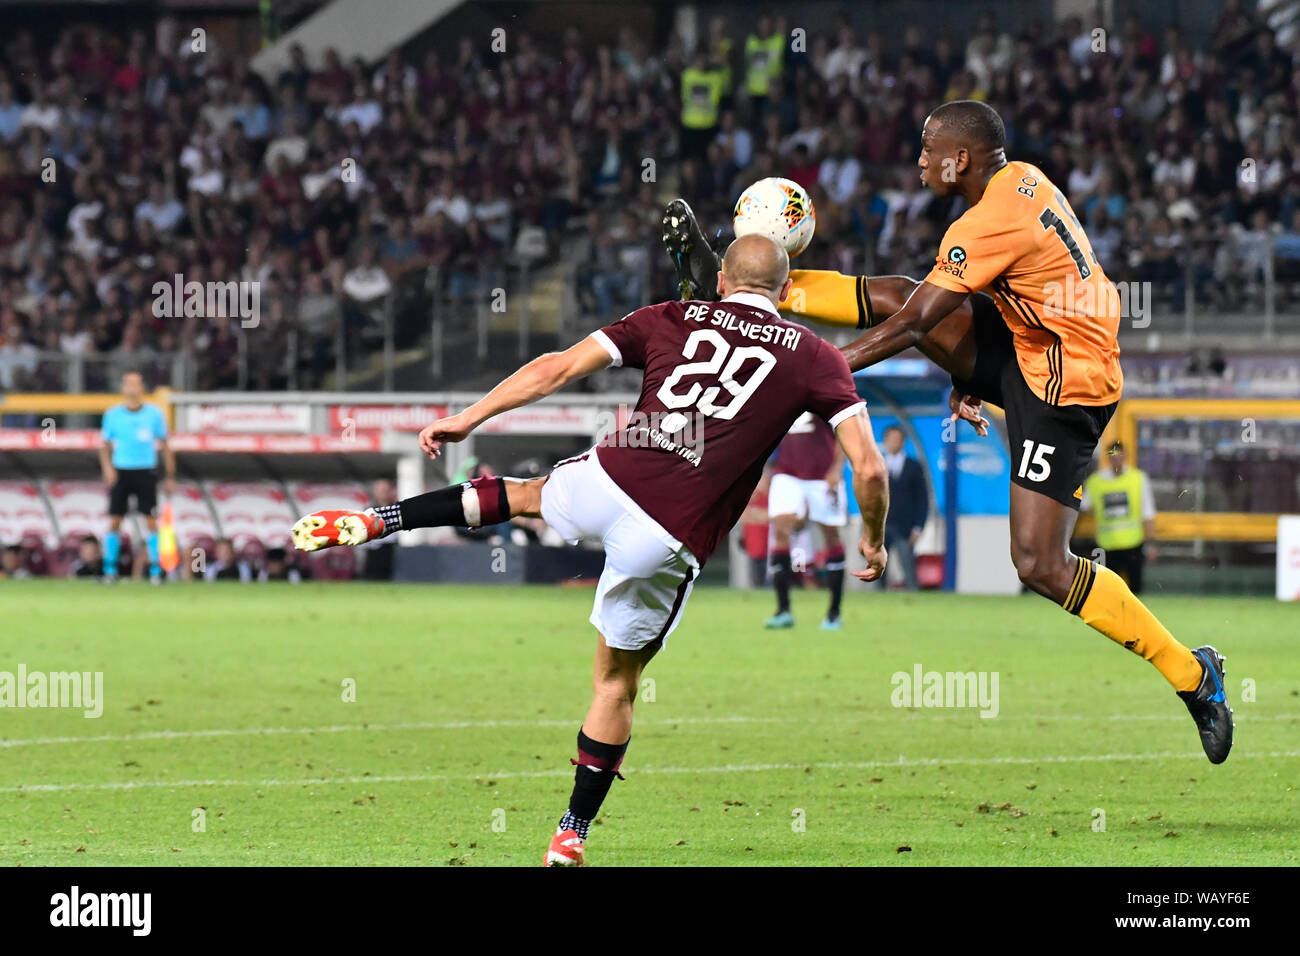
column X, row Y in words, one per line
column 339, row 183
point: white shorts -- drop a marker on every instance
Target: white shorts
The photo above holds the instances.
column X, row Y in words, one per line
column 648, row 573
column 809, row 498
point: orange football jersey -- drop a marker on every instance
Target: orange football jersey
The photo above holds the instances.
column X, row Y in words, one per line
column 1023, row 244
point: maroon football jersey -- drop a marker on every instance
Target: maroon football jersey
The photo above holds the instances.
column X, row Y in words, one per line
column 723, row 383
column 808, row 450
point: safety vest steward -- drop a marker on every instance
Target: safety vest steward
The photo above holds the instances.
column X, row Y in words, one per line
column 1117, row 505
column 762, row 62
column 701, row 94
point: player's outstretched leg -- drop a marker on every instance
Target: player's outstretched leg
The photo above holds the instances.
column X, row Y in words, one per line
column 1040, row 534
column 484, row 501
column 616, row 679
column 696, row 263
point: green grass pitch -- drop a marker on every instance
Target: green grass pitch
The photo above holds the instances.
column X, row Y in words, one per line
column 758, row 748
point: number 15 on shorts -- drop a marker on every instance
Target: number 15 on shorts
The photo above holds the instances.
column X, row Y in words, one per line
column 1033, row 463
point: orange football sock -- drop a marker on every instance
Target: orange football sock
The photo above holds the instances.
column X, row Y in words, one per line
column 1106, row 604
column 831, row 297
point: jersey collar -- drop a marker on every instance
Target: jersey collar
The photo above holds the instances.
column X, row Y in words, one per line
column 752, row 299
column 1004, row 169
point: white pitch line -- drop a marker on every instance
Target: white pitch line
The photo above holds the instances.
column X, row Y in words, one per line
column 940, row 762
column 350, row 728
column 908, row 713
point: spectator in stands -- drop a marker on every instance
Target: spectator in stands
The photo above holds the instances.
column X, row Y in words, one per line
column 1287, row 250
column 11, row 113
column 703, row 85
column 205, row 163
column 909, row 506
column 278, row 568
column 473, row 266
column 90, row 560
column 764, row 66
column 319, row 318
column 839, row 172
column 11, row 563
column 18, row 356
column 618, row 281
column 379, row 554
column 399, row 251
column 843, row 66
column 226, row 565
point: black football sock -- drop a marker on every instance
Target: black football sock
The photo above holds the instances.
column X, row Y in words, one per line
column 781, row 580
column 597, row 766
column 835, row 580
column 473, row 504
column 391, row 515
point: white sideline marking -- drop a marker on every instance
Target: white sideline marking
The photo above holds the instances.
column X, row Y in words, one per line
column 347, row 728
column 906, row 713
column 728, row 768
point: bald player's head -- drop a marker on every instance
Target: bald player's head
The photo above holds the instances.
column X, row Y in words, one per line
column 758, row 264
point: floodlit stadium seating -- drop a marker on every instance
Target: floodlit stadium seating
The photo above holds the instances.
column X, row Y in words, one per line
column 23, row 515
column 80, row 507
column 252, row 511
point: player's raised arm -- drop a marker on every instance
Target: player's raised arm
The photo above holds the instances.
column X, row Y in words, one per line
column 542, row 376
column 870, row 487
column 906, row 328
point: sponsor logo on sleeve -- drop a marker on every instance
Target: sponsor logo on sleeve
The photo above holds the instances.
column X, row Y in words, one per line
column 954, row 262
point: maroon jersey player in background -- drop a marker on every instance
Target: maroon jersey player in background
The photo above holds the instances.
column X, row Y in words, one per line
column 723, row 383
column 807, row 486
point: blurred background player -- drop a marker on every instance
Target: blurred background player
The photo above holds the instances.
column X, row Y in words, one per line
column 1124, row 509
column 659, row 502
column 807, row 485
column 133, row 433
column 909, row 507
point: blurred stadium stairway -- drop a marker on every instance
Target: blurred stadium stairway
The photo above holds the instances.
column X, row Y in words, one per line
column 355, row 28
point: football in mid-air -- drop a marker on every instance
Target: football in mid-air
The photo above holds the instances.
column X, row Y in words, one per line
column 778, row 208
